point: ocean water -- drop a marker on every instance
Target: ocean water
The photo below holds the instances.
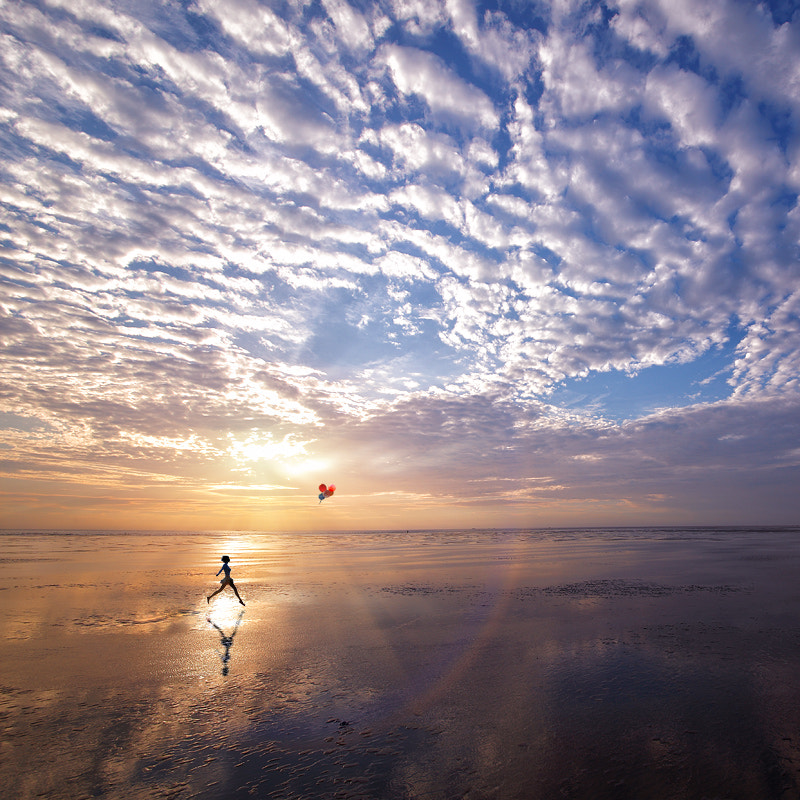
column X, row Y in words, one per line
column 618, row 663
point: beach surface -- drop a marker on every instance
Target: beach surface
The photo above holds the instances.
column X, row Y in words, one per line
column 649, row 663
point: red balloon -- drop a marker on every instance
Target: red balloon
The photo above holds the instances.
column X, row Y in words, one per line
column 331, row 488
column 323, row 487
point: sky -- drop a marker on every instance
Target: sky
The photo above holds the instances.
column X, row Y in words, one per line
column 485, row 264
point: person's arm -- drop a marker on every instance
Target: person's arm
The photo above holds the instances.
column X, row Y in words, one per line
column 220, row 570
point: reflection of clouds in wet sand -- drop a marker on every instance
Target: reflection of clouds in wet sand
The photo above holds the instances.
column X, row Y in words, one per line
column 639, row 717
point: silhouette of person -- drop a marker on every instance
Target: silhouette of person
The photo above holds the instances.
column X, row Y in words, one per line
column 226, row 641
column 226, row 581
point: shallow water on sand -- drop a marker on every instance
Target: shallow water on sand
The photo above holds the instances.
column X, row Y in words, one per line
column 482, row 664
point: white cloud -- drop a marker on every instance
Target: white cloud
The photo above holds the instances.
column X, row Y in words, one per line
column 255, row 26
column 643, row 26
column 481, row 152
column 402, row 265
column 416, row 149
column 420, row 16
column 688, row 102
column 449, row 97
column 574, row 82
column 529, row 166
column 352, row 29
column 767, row 357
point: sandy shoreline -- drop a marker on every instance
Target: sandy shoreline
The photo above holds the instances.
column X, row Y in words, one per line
column 577, row 664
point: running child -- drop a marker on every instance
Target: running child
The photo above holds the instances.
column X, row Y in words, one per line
column 226, row 581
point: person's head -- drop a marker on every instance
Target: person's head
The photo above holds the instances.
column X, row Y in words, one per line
column 225, row 559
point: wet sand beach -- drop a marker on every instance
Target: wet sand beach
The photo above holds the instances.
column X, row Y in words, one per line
column 481, row 664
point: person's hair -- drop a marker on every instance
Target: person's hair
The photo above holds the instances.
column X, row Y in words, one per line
column 225, row 559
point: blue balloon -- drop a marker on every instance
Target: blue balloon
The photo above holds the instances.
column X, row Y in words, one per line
column 321, row 495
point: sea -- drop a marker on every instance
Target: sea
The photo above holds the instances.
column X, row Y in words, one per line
column 540, row 663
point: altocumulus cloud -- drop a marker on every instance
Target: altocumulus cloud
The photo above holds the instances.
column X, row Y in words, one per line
column 515, row 263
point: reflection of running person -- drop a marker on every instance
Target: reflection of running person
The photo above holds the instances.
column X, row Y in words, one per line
column 226, row 581
column 227, row 641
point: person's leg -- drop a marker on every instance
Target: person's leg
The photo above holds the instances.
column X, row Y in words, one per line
column 208, row 599
column 236, row 592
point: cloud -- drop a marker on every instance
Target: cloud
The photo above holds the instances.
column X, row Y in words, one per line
column 256, row 27
column 494, row 40
column 768, row 359
column 577, row 85
column 449, row 97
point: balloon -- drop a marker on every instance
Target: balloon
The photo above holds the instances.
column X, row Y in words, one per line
column 326, row 491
